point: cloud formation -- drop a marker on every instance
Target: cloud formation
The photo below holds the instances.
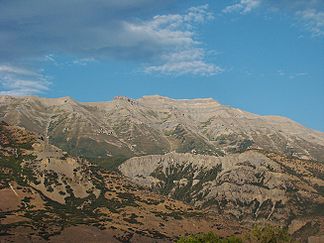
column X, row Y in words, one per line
column 313, row 21
column 20, row 81
column 176, row 34
column 81, row 28
column 189, row 61
column 97, row 30
column 310, row 13
column 243, row 6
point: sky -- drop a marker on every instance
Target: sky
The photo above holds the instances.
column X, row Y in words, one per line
column 262, row 56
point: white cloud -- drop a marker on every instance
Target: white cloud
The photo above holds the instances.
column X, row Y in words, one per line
column 20, row 81
column 244, row 6
column 175, row 34
column 313, row 21
column 185, row 62
column 309, row 12
column 196, row 67
column 173, row 30
column 291, row 75
column 16, row 70
column 84, row 61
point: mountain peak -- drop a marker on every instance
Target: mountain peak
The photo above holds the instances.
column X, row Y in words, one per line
column 66, row 100
column 157, row 100
column 173, row 99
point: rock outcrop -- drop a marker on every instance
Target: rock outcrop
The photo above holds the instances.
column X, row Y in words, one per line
column 249, row 186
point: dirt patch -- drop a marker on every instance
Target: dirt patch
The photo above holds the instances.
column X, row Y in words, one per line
column 8, row 200
column 84, row 234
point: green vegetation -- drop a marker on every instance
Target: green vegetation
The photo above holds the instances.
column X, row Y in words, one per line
column 110, row 163
column 15, row 170
column 208, row 238
column 268, row 234
column 258, row 234
column 172, row 176
column 190, row 141
column 245, row 145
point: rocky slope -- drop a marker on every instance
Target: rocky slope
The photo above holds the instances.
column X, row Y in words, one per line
column 249, row 186
column 111, row 132
column 46, row 195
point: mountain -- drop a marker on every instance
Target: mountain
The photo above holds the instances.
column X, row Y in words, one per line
column 50, row 196
column 162, row 160
column 111, row 132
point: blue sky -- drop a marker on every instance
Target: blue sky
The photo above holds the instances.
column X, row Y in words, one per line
column 262, row 56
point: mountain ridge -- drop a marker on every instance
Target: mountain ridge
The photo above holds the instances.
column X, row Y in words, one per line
column 125, row 127
column 65, row 99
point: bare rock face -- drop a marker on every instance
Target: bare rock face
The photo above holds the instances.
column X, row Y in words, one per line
column 249, row 186
column 111, row 132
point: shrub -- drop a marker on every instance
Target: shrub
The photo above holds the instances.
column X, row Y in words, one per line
column 268, row 234
column 208, row 238
column 258, row 234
